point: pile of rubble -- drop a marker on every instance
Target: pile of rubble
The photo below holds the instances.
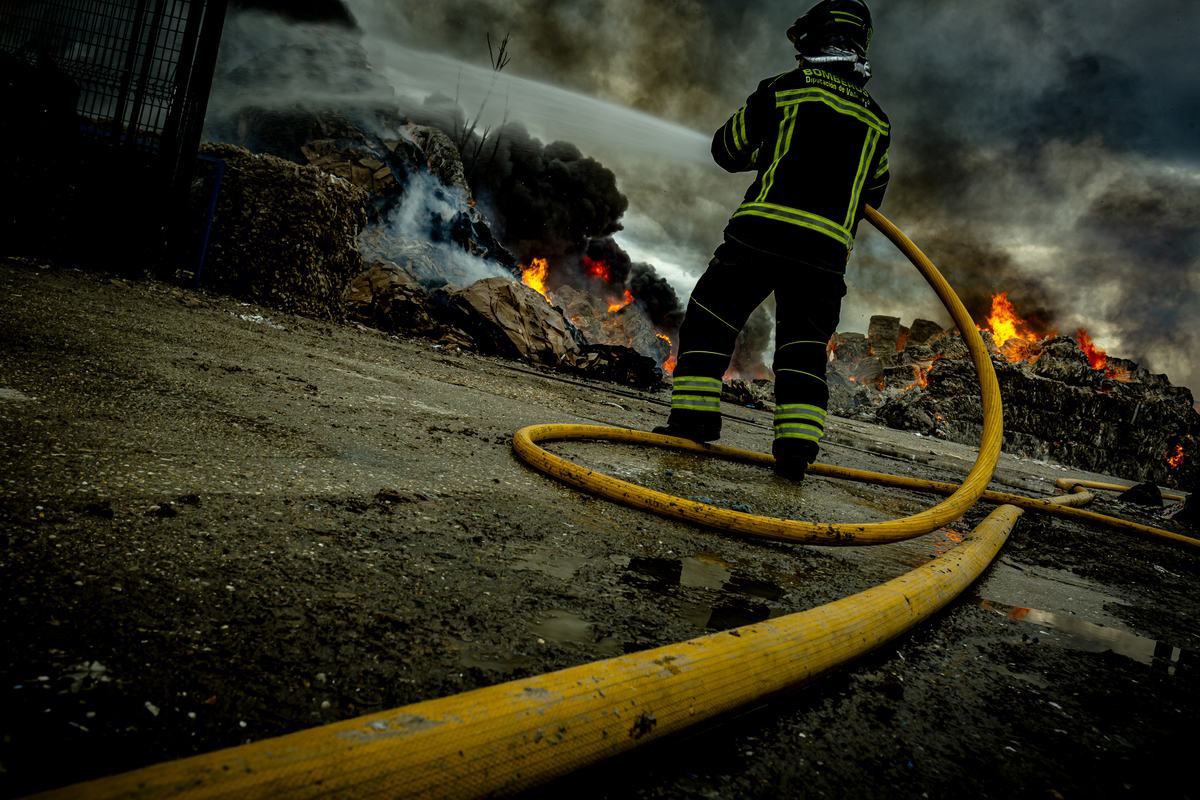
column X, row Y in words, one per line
column 284, row 235
column 424, row 259
column 494, row 315
column 332, row 239
column 1121, row 420
column 626, row 326
column 452, row 280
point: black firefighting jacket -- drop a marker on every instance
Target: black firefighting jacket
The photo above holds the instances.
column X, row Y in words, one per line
column 819, row 143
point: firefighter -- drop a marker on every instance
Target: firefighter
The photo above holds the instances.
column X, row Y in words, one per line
column 818, row 144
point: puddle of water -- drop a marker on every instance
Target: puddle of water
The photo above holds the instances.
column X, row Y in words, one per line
column 1095, row 638
column 472, row 655
column 738, row 598
column 898, row 558
column 563, row 626
column 549, row 560
column 702, row 574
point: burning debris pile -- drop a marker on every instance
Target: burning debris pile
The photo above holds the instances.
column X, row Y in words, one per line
column 432, row 242
column 618, row 321
column 429, row 262
column 494, row 315
column 1063, row 399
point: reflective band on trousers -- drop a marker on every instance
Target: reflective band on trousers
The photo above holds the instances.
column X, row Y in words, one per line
column 696, row 393
column 699, row 384
column 799, row 422
column 695, row 403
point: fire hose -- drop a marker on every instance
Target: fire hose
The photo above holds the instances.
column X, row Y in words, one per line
column 500, row 740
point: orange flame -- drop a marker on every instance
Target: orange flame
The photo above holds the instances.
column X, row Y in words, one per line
column 668, row 365
column 1176, row 457
column 1119, row 374
column 1096, row 357
column 597, row 269
column 617, row 305
column 534, row 276
column 1005, row 324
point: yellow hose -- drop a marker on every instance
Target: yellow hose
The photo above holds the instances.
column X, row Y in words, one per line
column 961, row 499
column 524, row 442
column 1067, row 483
column 500, row 740
column 1049, row 506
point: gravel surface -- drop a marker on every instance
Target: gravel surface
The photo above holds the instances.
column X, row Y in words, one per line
column 221, row 523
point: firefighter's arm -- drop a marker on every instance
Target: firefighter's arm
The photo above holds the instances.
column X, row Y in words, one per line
column 732, row 147
column 877, row 182
column 736, row 144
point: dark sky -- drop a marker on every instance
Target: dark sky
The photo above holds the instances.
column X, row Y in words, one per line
column 1049, row 149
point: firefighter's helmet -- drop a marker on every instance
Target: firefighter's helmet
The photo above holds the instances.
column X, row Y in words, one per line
column 841, row 24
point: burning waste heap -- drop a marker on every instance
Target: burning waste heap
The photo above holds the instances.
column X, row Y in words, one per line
column 492, row 240
column 1064, row 399
column 396, row 230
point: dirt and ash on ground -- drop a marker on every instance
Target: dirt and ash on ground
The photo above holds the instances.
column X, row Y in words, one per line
column 221, row 523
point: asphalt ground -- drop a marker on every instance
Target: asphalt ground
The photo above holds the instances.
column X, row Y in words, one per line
column 222, row 523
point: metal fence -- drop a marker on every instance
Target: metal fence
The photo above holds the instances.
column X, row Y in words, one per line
column 140, row 72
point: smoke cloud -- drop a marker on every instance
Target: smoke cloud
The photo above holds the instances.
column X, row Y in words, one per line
column 421, row 217
column 653, row 293
column 1044, row 149
column 547, row 200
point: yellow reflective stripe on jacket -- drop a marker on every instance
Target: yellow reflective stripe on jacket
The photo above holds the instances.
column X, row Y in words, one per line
column 783, row 144
column 812, row 94
column 860, row 176
column 796, row 216
column 735, row 131
column 883, row 166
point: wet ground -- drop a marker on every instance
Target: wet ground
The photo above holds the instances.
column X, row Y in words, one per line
column 219, row 524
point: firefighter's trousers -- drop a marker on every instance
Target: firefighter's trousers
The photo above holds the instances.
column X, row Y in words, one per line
column 808, row 303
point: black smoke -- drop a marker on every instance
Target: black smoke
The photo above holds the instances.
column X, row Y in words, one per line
column 978, row 272
column 1143, row 234
column 652, row 293
column 656, row 297
column 616, row 262
column 548, row 200
column 555, row 203
column 545, row 201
